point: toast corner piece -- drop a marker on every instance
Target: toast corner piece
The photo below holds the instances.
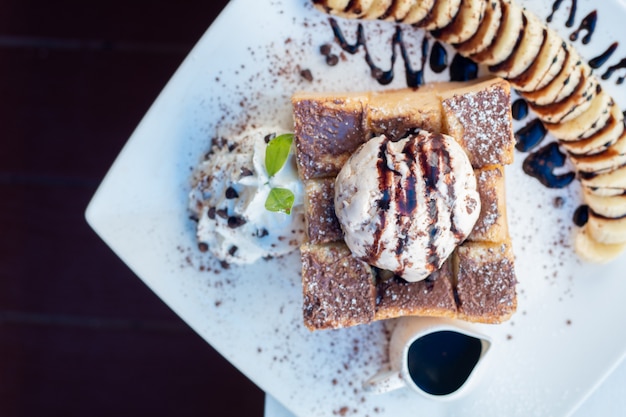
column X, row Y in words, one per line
column 338, row 289
column 486, row 282
column 479, row 117
column 327, row 131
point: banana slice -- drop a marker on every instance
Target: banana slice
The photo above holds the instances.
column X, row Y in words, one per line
column 573, row 105
column 607, row 184
column 398, row 10
column 606, row 230
column 377, row 8
column 509, row 33
column 592, row 251
column 465, row 23
column 335, row 5
column 609, row 207
column 562, row 85
column 419, row 11
column 441, row 15
column 600, row 141
column 342, row 8
column 608, row 160
column 596, row 114
column 486, row 32
column 526, row 50
column 604, row 192
column 546, row 66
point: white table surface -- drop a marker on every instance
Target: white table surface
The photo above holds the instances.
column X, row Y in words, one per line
column 609, row 400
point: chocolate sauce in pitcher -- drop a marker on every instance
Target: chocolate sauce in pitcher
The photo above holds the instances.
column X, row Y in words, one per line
column 440, row 362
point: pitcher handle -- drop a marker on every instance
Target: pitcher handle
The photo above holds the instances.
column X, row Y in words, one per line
column 383, row 382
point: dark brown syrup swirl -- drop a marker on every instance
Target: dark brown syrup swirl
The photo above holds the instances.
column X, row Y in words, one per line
column 609, row 72
column 529, row 136
column 461, row 69
column 588, row 24
column 581, row 215
column 519, row 109
column 438, row 58
column 572, row 12
column 601, row 59
column 542, row 164
column 414, row 78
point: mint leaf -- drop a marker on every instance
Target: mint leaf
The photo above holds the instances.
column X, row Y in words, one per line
column 280, row 199
column 277, row 153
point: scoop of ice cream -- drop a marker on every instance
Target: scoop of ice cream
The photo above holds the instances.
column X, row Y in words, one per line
column 229, row 190
column 404, row 206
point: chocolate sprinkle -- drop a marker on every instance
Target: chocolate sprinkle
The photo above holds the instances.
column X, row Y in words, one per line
column 236, row 221
column 222, row 213
column 231, row 193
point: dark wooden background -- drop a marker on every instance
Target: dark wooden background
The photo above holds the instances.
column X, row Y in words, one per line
column 80, row 335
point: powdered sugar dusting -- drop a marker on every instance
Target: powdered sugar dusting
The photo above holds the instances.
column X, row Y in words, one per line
column 484, row 115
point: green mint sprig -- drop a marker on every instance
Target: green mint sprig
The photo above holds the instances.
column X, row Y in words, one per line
column 280, row 199
column 276, row 154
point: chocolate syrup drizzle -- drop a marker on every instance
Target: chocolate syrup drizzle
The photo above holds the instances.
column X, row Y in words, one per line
column 519, row 109
column 529, row 136
column 581, row 215
column 542, row 163
column 601, row 59
column 413, row 78
column 433, row 163
column 588, row 24
column 609, row 72
column 438, row 58
column 461, row 69
column 572, row 12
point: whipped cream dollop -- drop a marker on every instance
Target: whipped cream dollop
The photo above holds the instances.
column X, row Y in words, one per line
column 405, row 206
column 229, row 190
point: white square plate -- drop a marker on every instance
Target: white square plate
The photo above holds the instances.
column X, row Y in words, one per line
column 565, row 338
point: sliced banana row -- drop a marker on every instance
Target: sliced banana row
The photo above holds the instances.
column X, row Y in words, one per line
column 556, row 82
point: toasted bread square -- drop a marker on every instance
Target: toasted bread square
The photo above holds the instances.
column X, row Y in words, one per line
column 338, row 289
column 486, row 281
column 327, row 131
column 399, row 112
column 479, row 117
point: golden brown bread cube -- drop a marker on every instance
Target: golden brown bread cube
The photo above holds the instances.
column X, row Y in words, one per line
column 399, row 112
column 479, row 117
column 486, row 281
column 338, row 289
column 328, row 131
